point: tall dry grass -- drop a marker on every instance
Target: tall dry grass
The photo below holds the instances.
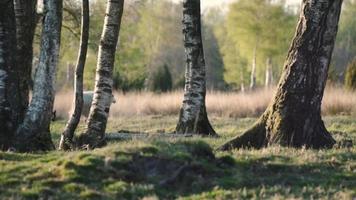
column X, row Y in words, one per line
column 336, row 101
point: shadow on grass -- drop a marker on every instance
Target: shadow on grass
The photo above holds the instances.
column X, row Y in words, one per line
column 162, row 169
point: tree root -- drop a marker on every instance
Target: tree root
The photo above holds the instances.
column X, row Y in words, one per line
column 257, row 137
column 254, row 137
column 199, row 125
column 42, row 142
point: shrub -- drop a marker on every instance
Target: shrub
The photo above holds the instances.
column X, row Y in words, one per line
column 161, row 80
column 350, row 76
column 123, row 83
column 180, row 83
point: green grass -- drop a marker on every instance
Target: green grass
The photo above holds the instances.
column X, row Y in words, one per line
column 135, row 169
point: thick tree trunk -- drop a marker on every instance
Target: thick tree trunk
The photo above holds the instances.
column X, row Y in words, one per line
column 26, row 18
column 34, row 134
column 293, row 118
column 8, row 119
column 193, row 117
column 253, row 69
column 12, row 84
column 94, row 135
column 66, row 141
column 269, row 73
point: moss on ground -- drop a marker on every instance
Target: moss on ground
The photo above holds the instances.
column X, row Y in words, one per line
column 185, row 168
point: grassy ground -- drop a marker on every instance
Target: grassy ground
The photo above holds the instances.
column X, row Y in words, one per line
column 185, row 168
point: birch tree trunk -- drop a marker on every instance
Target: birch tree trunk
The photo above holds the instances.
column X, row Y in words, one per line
column 66, row 141
column 34, row 134
column 269, row 73
column 7, row 69
column 26, row 18
column 293, row 118
column 242, row 84
column 253, row 69
column 193, row 117
column 94, row 135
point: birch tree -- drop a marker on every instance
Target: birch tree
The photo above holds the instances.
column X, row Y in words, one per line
column 34, row 134
column 293, row 118
column 259, row 30
column 94, row 134
column 68, row 133
column 269, row 73
column 193, row 117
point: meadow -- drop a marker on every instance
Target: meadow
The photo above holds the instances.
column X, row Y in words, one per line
column 337, row 101
column 154, row 165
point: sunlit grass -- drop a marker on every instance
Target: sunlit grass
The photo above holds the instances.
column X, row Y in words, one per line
column 134, row 169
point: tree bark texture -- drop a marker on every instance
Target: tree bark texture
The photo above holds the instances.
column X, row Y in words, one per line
column 34, row 134
column 293, row 118
column 66, row 141
column 8, row 119
column 193, row 118
column 26, row 18
column 94, row 135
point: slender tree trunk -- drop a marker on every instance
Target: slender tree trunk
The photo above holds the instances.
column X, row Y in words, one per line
column 293, row 118
column 193, row 117
column 253, row 69
column 242, row 87
column 66, row 141
column 34, row 134
column 94, row 135
column 242, row 80
column 269, row 73
column 8, row 119
column 25, row 11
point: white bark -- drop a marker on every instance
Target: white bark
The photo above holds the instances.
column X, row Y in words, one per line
column 253, row 69
column 269, row 73
column 193, row 117
column 66, row 141
column 94, row 135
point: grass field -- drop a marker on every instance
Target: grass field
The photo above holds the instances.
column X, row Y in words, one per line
column 337, row 101
column 187, row 168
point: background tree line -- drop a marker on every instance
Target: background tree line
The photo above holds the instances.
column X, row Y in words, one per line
column 249, row 37
column 242, row 49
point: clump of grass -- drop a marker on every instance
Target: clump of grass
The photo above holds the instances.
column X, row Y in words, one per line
column 128, row 170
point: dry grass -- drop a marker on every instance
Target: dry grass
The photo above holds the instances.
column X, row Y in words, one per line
column 337, row 101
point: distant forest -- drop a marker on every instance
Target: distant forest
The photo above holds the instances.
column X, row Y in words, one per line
column 245, row 44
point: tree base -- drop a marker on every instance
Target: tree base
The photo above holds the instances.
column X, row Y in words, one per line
column 257, row 137
column 198, row 126
column 42, row 142
column 87, row 141
column 65, row 144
